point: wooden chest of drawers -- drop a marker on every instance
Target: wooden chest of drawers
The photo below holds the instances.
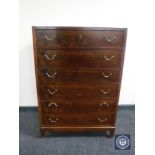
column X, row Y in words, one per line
column 78, row 76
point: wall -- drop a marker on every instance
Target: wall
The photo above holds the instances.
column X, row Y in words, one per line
column 101, row 13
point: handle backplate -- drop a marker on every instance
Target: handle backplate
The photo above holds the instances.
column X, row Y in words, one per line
column 50, row 37
column 52, row 92
column 108, row 58
column 109, row 38
column 102, row 120
column 51, row 76
column 53, row 120
column 104, row 104
column 106, row 76
column 105, row 92
column 52, row 104
column 48, row 58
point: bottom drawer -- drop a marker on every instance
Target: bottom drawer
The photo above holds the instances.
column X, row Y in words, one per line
column 102, row 119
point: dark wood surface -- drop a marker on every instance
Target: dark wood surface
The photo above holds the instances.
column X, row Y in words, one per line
column 78, row 77
column 79, row 91
column 57, row 39
column 80, row 58
column 54, row 75
column 58, row 106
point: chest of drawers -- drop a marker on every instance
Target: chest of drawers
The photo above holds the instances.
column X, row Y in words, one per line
column 78, row 77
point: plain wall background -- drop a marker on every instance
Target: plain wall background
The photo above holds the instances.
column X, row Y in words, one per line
column 99, row 13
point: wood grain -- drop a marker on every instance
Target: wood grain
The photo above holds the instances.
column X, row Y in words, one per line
column 52, row 75
column 80, row 58
column 78, row 69
column 57, row 39
column 58, row 106
column 79, row 91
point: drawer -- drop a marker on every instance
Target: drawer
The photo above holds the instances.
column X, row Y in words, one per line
column 79, row 91
column 61, row 39
column 77, row 106
column 51, row 75
column 80, row 58
column 101, row 119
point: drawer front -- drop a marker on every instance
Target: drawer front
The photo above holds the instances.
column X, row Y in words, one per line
column 79, row 91
column 101, row 119
column 80, row 58
column 61, row 39
column 77, row 106
column 50, row 75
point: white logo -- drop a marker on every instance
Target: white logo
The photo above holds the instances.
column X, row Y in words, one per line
column 122, row 142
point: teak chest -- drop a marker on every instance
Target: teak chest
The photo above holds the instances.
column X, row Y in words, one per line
column 78, row 77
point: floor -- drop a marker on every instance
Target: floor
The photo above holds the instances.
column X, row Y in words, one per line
column 73, row 144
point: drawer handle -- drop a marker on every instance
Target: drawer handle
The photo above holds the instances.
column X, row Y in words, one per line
column 52, row 92
column 105, row 92
column 110, row 39
column 102, row 120
column 51, row 76
column 106, row 76
column 52, row 103
column 104, row 104
column 47, row 57
column 108, row 59
column 53, row 121
column 50, row 38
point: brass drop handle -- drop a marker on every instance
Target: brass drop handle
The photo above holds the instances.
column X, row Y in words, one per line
column 52, row 103
column 105, row 92
column 109, row 39
column 48, row 58
column 108, row 59
column 51, row 76
column 106, row 76
column 53, row 121
column 102, row 120
column 104, row 104
column 52, row 92
column 50, row 38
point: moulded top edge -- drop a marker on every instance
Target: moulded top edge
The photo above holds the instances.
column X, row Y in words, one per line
column 79, row 28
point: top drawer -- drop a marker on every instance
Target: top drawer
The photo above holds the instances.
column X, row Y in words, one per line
column 62, row 39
